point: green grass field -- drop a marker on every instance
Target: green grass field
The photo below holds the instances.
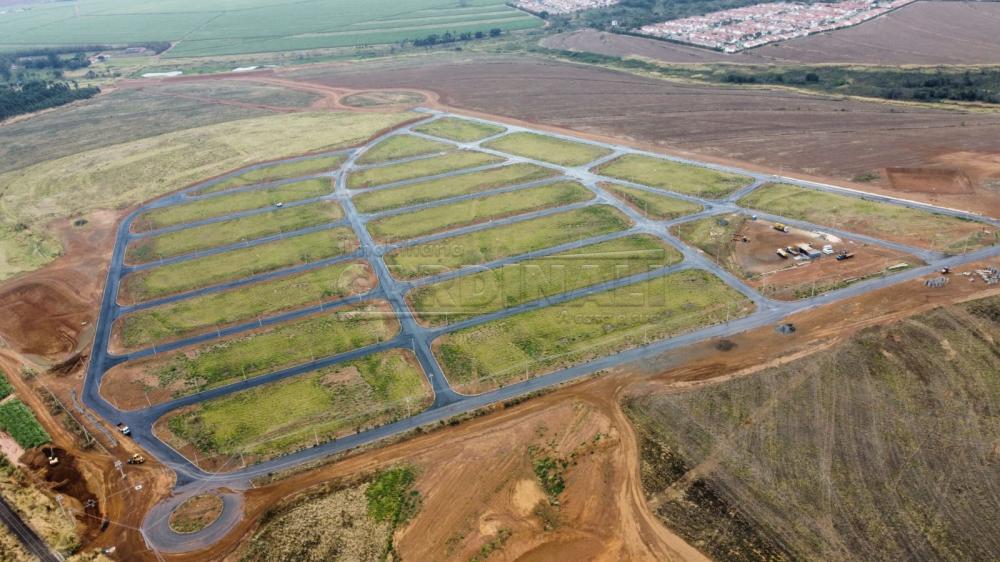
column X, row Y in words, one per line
column 187, row 317
column 213, row 270
column 282, row 417
column 401, row 146
column 484, row 246
column 227, row 204
column 460, row 130
column 463, row 184
column 479, row 210
column 231, row 359
column 18, row 421
column 288, row 170
column 517, row 283
column 883, row 220
column 673, row 176
column 231, row 231
column 652, row 205
column 548, row 149
column 509, row 350
column 421, row 168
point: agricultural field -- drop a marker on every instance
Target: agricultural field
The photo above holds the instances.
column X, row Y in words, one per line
column 227, row 204
column 748, row 249
column 187, row 317
column 5, row 387
column 206, row 271
column 18, row 421
column 250, row 355
column 654, row 206
column 276, row 172
column 904, row 225
column 478, row 210
column 281, row 417
column 484, row 246
column 401, row 146
column 421, row 168
column 452, row 186
column 548, row 149
column 517, row 283
column 461, row 130
column 673, row 176
column 503, row 351
column 231, row 231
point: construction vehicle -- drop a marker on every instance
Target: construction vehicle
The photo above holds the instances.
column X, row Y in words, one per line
column 781, row 252
column 945, row 270
column 136, row 459
column 780, row 227
column 845, row 256
column 828, row 249
column 124, row 430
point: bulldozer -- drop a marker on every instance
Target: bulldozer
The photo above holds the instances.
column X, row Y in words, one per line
column 136, row 459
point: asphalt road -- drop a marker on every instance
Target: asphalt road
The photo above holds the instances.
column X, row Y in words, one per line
column 448, row 402
column 29, row 539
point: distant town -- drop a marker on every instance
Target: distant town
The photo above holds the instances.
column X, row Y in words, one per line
column 563, row 6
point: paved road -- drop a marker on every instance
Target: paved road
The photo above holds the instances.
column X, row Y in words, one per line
column 412, row 336
column 29, row 539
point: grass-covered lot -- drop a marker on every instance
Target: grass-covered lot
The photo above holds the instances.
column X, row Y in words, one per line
column 883, row 220
column 521, row 282
column 18, row 421
column 673, row 176
column 420, row 168
column 478, row 210
column 183, row 318
column 548, row 149
column 452, row 186
column 228, row 204
column 287, row 170
column 430, row 258
column 509, row 350
column 401, row 146
column 237, row 264
column 460, row 130
column 284, row 416
column 241, row 229
column 253, row 354
column 652, row 205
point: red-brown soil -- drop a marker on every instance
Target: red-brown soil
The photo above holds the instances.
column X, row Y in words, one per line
column 196, row 513
column 929, row 180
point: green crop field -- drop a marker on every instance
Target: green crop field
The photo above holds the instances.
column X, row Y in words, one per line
column 652, row 205
column 517, row 283
column 288, row 170
column 18, row 421
column 231, row 231
column 453, row 186
column 213, row 270
column 401, row 146
column 883, row 220
column 460, row 130
column 228, row 204
column 421, row 168
column 673, row 176
column 187, row 317
column 246, row 355
column 282, row 417
column 479, row 210
column 439, row 256
column 508, row 350
column 548, row 149
column 5, row 388
column 251, row 26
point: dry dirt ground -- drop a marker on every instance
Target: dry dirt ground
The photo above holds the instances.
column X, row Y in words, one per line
column 922, row 33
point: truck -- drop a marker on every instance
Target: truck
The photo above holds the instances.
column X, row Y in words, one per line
column 781, row 252
column 124, row 430
column 845, row 256
column 136, row 459
column 780, row 227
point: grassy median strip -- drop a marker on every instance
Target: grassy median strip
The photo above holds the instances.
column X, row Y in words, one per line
column 228, row 204
column 548, row 149
column 673, row 176
column 285, row 416
column 187, row 317
column 452, row 186
column 460, row 130
column 193, row 274
column 420, row 168
column 511, row 349
column 518, row 283
column 478, row 210
column 484, row 246
column 900, row 224
column 223, row 233
column 652, row 205
column 401, row 146
column 288, row 170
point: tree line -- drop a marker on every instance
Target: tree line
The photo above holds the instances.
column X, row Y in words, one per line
column 35, row 95
column 449, row 37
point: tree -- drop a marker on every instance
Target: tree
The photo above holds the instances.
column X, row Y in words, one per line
column 495, row 32
column 812, row 77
